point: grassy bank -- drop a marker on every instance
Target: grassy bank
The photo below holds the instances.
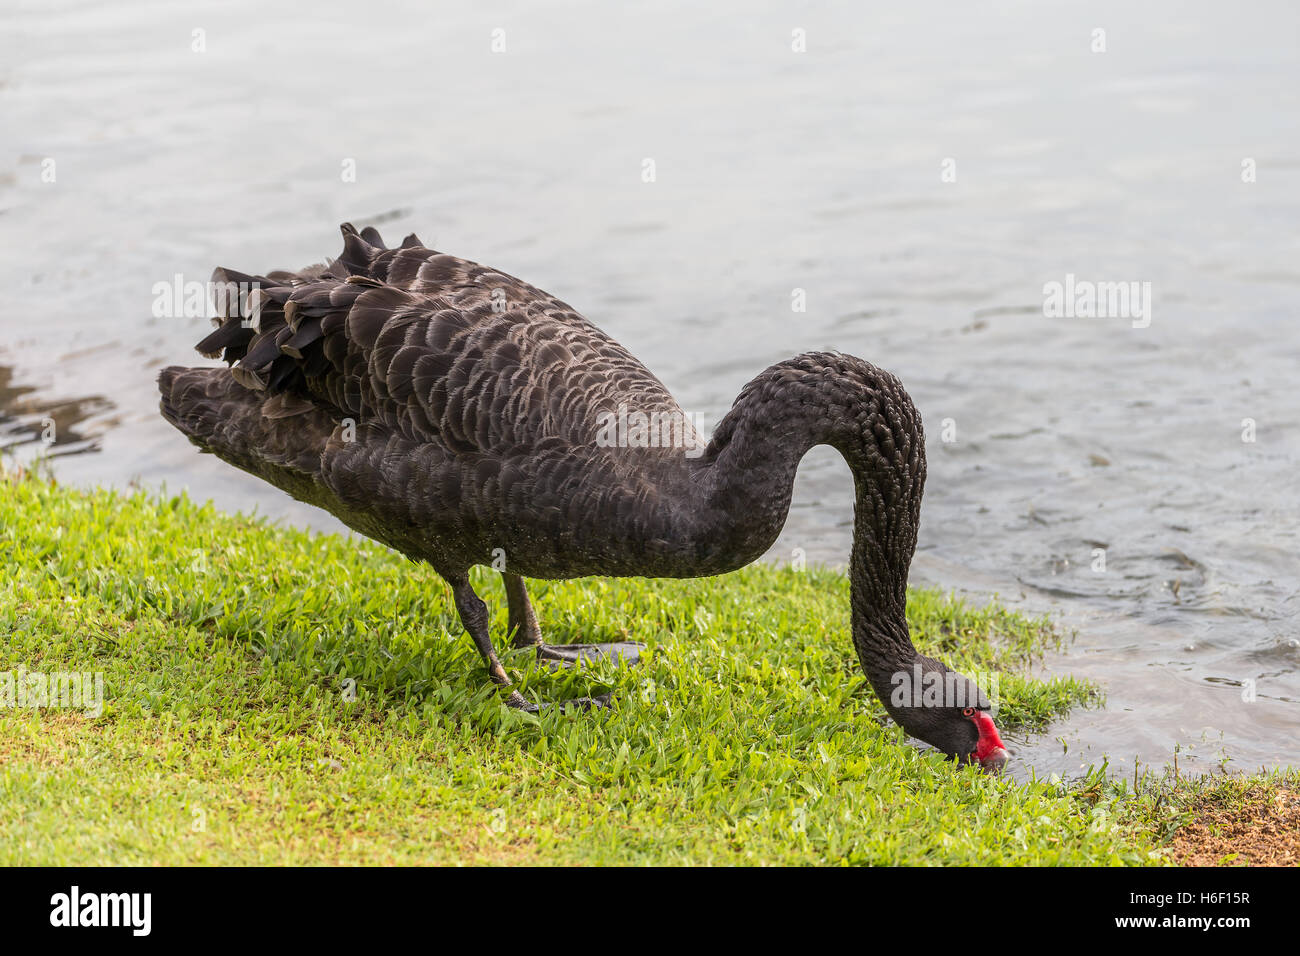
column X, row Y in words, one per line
column 272, row 696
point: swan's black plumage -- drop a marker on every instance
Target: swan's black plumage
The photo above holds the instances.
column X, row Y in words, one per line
column 452, row 411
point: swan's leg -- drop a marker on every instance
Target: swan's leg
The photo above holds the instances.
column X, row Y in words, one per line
column 473, row 614
column 525, row 632
column 523, row 628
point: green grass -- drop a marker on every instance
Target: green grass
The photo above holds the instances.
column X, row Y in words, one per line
column 273, row 696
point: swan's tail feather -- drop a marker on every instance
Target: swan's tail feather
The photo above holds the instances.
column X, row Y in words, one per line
column 279, row 438
column 271, row 328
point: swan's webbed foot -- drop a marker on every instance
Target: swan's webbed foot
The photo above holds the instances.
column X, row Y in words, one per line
column 518, row 701
column 526, row 633
column 569, row 655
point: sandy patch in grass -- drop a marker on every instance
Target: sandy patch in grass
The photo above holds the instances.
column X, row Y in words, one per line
column 1263, row 829
column 45, row 742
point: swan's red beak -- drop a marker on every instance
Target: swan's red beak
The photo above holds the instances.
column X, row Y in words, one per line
column 989, row 751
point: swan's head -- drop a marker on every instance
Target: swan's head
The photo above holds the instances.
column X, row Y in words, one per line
column 948, row 711
column 988, row 752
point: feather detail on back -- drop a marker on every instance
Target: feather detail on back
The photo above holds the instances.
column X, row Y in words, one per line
column 436, row 348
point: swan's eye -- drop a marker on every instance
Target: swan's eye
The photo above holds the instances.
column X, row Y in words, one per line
column 968, row 712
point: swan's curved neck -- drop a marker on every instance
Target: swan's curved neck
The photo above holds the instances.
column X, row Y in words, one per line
column 747, row 475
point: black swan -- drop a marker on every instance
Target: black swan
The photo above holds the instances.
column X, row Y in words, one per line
column 451, row 412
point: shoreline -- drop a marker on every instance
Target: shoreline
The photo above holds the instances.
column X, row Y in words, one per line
column 272, row 695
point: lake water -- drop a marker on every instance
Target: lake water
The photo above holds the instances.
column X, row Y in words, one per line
column 921, row 174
